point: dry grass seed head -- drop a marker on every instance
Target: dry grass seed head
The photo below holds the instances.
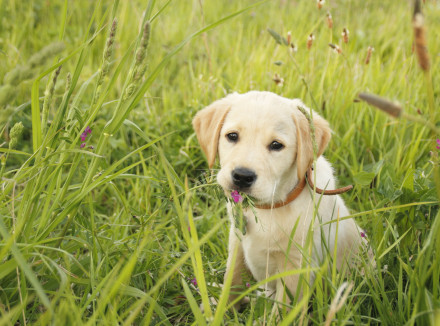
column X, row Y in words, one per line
column 335, row 48
column 293, row 48
column 289, row 37
column 329, row 20
column 310, row 40
column 278, row 80
column 420, row 41
column 345, row 33
column 370, row 51
column 320, row 3
column 391, row 108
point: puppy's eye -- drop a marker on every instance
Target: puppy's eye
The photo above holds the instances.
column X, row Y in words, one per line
column 232, row 137
column 276, row 146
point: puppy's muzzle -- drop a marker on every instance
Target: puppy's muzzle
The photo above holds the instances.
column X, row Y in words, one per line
column 243, row 178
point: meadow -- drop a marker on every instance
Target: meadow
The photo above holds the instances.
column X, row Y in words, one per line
column 108, row 211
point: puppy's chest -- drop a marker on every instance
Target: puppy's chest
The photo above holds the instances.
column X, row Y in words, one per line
column 267, row 230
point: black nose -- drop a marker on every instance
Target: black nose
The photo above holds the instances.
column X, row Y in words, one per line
column 243, row 178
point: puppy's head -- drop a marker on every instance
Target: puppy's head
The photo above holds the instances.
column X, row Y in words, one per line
column 263, row 141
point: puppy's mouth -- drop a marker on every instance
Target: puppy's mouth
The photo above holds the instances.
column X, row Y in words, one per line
column 231, row 187
column 239, row 197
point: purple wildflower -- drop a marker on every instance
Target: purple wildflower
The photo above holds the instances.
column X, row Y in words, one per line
column 194, row 281
column 86, row 132
column 84, row 135
column 236, row 197
column 248, row 284
column 363, row 234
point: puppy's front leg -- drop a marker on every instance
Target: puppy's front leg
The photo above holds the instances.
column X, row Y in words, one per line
column 235, row 249
column 290, row 283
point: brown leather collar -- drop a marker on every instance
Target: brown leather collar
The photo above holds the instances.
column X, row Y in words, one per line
column 290, row 197
column 300, row 187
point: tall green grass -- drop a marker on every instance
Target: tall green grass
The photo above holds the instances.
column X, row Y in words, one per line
column 131, row 228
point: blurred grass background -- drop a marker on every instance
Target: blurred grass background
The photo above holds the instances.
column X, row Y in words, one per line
column 122, row 249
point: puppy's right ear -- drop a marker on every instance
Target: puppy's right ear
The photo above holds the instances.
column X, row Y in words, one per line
column 207, row 124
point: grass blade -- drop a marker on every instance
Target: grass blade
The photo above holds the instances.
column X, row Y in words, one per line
column 200, row 320
column 21, row 261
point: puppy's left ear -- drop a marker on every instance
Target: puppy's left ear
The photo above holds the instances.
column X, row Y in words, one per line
column 304, row 155
column 207, row 124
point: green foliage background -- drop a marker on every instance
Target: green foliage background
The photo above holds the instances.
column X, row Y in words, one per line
column 118, row 232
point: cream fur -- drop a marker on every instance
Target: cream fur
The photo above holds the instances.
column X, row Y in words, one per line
column 260, row 118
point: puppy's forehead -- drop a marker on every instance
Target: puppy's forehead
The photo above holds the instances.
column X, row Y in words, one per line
column 260, row 111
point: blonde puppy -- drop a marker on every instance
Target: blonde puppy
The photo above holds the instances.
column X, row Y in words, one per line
column 265, row 148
